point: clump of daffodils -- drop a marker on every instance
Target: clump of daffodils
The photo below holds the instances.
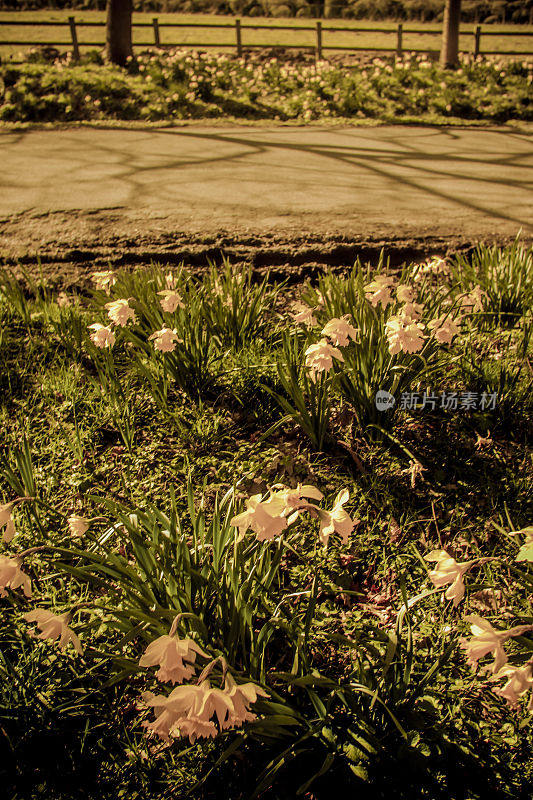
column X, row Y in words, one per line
column 269, row 517
column 404, row 330
column 485, row 639
column 191, row 709
column 201, row 711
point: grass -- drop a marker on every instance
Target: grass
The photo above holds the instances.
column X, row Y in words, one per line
column 501, row 37
column 110, row 434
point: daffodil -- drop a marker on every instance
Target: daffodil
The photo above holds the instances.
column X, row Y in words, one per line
column 486, row 639
column 404, row 293
column 78, row 525
column 54, row 626
column 242, row 696
column 340, row 331
column 104, row 280
column 195, row 727
column 415, row 470
column 319, row 357
column 379, row 290
column 6, row 522
column 119, row 312
column 404, row 334
column 303, row 314
column 444, row 329
column 519, row 681
column 411, row 311
column 473, row 300
column 170, row 300
column 448, row 570
column 102, row 336
column 526, row 551
column 169, row 709
column 214, row 702
column 265, row 518
column 337, row 520
column 165, row 339
column 11, row 576
column 295, row 500
column 63, row 300
column 169, row 653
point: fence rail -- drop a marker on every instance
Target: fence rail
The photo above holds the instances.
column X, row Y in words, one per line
column 239, row 27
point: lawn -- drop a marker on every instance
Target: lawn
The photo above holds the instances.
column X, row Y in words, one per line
column 196, row 476
column 226, row 38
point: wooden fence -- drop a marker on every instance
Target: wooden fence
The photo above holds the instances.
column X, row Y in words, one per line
column 239, row 28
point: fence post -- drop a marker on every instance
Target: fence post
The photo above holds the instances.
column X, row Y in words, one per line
column 238, row 37
column 319, row 40
column 399, row 40
column 74, row 35
column 477, row 40
column 155, row 23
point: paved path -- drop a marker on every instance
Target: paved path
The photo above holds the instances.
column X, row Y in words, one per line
column 386, row 181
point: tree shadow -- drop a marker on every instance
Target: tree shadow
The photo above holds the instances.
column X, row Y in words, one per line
column 434, row 164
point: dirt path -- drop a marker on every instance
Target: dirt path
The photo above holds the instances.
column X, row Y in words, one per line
column 80, row 195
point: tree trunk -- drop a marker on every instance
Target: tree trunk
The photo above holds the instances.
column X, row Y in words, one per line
column 449, row 54
column 118, row 32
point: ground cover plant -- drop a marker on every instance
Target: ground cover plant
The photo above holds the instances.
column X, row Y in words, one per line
column 226, row 571
column 181, row 84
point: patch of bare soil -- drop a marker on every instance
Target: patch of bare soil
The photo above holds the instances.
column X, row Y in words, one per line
column 66, row 247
